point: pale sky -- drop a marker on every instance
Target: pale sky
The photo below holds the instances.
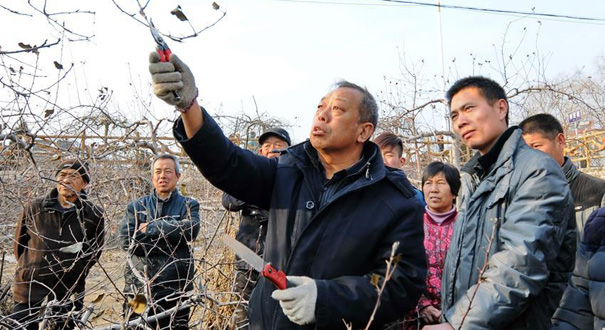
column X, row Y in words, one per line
column 287, row 54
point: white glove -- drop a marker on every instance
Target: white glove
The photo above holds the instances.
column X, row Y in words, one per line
column 170, row 77
column 298, row 302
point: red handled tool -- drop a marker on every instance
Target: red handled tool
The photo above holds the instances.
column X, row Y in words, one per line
column 162, row 49
column 278, row 277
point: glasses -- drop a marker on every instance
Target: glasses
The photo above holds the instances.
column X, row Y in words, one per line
column 71, row 176
column 274, row 145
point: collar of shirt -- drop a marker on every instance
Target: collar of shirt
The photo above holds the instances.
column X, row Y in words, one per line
column 485, row 162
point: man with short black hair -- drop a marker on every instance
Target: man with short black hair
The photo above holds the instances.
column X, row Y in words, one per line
column 335, row 212
column 391, row 148
column 58, row 239
column 513, row 244
column 545, row 133
column 252, row 230
column 156, row 233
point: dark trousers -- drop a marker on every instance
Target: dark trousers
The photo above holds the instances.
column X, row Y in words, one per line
column 176, row 321
column 28, row 315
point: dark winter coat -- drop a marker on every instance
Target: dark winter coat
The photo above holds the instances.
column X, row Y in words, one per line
column 588, row 193
column 48, row 260
column 339, row 233
column 252, row 230
column 515, row 231
column 163, row 250
column 583, row 304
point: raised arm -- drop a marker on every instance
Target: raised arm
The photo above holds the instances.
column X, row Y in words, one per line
column 225, row 165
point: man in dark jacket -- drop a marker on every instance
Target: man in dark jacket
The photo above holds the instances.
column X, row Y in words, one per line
column 582, row 304
column 545, row 133
column 156, row 233
column 513, row 244
column 252, row 230
column 335, row 210
column 58, row 239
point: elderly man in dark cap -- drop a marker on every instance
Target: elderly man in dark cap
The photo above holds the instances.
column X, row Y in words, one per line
column 252, row 229
column 58, row 239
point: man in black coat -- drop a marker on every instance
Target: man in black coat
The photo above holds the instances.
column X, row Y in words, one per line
column 252, row 230
column 545, row 133
column 335, row 211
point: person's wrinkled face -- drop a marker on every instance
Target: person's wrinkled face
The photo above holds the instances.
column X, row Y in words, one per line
column 69, row 183
column 336, row 125
column 272, row 143
column 392, row 156
column 478, row 123
column 555, row 148
column 438, row 193
column 165, row 177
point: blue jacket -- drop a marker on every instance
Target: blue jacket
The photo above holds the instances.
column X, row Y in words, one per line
column 583, row 304
column 162, row 250
column 340, row 239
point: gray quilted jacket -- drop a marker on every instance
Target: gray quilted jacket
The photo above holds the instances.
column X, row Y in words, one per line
column 515, row 230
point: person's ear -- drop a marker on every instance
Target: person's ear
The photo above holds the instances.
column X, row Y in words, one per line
column 502, row 109
column 402, row 161
column 560, row 139
column 365, row 132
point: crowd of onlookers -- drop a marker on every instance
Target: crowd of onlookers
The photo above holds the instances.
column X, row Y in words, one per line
column 514, row 239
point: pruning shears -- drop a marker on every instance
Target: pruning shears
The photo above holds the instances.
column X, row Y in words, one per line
column 162, row 49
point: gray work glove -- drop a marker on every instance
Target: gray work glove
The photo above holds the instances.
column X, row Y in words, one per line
column 170, row 77
column 298, row 302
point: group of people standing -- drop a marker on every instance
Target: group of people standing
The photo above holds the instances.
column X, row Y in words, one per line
column 60, row 236
column 489, row 247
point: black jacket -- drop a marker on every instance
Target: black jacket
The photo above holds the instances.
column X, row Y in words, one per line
column 163, row 250
column 582, row 305
column 340, row 242
column 252, row 230
column 43, row 233
column 587, row 191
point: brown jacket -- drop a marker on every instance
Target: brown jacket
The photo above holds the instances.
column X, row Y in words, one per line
column 46, row 247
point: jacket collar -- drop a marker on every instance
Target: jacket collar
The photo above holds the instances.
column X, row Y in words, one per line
column 483, row 164
column 305, row 155
column 52, row 199
column 170, row 198
column 570, row 170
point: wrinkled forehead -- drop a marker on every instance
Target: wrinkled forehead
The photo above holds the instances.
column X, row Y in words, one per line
column 164, row 163
column 344, row 94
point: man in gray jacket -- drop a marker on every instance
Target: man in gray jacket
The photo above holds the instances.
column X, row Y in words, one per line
column 545, row 133
column 513, row 244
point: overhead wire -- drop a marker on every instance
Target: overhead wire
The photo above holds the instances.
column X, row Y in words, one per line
column 546, row 16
